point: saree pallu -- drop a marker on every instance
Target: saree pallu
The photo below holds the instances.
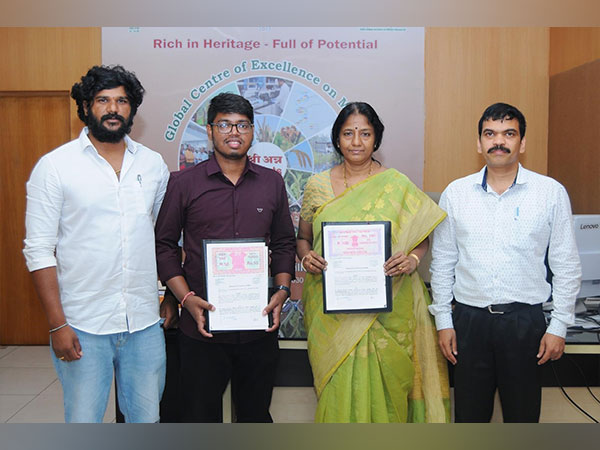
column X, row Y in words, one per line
column 378, row 367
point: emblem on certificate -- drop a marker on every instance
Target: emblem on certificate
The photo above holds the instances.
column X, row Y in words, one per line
column 237, row 284
column 354, row 281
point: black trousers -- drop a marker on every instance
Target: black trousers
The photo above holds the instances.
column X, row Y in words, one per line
column 206, row 368
column 497, row 350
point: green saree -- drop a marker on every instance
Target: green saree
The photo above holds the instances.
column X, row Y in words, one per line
column 376, row 367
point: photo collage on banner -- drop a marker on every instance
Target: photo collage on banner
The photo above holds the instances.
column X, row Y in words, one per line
column 297, row 80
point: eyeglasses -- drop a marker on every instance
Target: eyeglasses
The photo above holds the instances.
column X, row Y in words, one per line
column 226, row 127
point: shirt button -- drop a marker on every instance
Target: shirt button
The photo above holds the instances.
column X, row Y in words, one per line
column 237, row 234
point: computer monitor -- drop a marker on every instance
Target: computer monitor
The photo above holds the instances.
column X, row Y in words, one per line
column 587, row 235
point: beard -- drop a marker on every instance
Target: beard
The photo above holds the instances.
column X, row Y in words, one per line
column 103, row 134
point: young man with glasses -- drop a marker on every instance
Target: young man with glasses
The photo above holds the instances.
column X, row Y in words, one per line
column 224, row 197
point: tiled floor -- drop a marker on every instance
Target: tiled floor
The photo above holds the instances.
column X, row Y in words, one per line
column 30, row 392
column 29, row 389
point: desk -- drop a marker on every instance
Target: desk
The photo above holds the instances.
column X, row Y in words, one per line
column 583, row 349
column 583, row 342
column 572, row 346
column 292, row 345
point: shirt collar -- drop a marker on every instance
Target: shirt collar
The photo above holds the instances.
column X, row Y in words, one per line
column 522, row 175
column 521, row 178
column 86, row 143
column 212, row 166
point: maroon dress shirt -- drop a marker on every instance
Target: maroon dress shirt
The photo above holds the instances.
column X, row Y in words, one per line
column 203, row 203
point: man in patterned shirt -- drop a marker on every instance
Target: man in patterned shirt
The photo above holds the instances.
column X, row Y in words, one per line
column 489, row 255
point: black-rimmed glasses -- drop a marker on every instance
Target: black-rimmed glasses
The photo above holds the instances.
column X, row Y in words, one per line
column 226, row 127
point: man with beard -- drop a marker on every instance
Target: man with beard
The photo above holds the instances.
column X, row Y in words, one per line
column 224, row 197
column 489, row 255
column 91, row 206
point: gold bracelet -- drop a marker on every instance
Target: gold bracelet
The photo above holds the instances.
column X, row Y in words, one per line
column 416, row 258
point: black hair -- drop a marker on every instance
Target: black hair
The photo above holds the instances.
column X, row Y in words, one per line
column 503, row 111
column 229, row 103
column 356, row 108
column 99, row 78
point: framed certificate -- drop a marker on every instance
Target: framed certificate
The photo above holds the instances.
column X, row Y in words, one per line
column 355, row 281
column 237, row 277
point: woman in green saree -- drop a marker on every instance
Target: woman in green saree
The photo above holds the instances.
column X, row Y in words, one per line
column 382, row 367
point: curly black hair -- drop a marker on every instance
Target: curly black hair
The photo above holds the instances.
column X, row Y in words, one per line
column 99, row 78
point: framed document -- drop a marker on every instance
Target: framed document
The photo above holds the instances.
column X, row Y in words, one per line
column 354, row 281
column 237, row 277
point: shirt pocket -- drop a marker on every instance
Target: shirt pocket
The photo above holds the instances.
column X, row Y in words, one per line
column 140, row 196
column 529, row 229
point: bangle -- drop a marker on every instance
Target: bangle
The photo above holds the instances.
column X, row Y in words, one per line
column 416, row 258
column 58, row 328
column 186, row 296
column 302, row 262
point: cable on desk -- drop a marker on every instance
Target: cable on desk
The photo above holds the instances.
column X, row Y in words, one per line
column 582, row 376
column 567, row 395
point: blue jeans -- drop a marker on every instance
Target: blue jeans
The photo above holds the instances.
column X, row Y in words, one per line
column 138, row 361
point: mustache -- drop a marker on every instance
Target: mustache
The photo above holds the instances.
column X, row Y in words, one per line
column 498, row 147
column 112, row 117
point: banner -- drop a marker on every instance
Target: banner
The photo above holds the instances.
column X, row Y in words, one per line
column 297, row 79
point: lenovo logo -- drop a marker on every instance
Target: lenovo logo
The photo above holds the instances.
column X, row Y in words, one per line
column 589, row 226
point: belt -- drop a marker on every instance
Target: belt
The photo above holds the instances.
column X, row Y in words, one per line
column 504, row 307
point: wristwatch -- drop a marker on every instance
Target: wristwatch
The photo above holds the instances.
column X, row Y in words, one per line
column 281, row 287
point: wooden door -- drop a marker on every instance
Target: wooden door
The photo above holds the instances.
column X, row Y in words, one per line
column 31, row 124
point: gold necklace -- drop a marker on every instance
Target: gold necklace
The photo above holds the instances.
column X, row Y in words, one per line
column 346, row 181
column 118, row 172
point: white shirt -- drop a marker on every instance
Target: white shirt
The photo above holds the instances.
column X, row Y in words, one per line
column 491, row 248
column 99, row 233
